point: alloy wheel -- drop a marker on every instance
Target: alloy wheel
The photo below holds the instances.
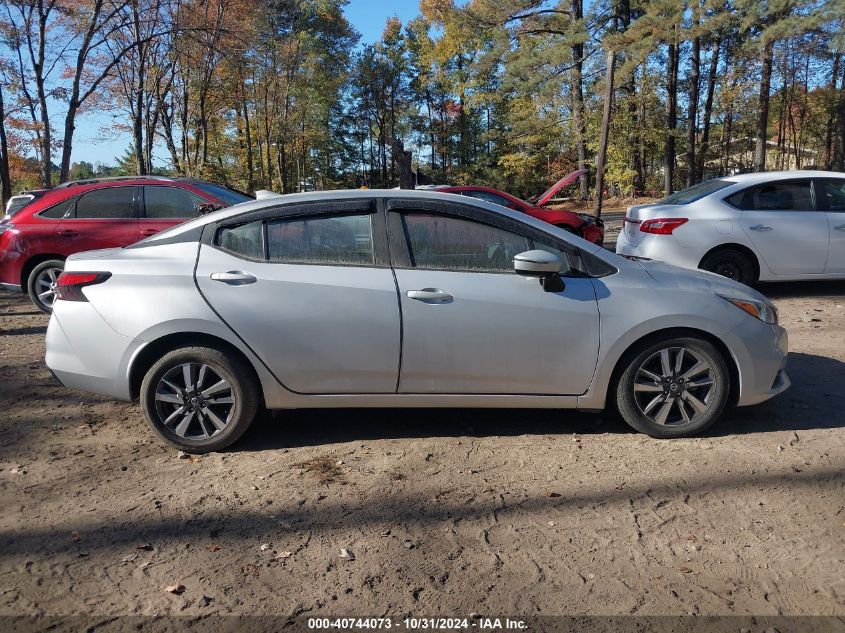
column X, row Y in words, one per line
column 193, row 401
column 45, row 286
column 674, row 386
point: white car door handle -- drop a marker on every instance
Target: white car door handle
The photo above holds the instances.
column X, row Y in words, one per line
column 234, row 278
column 760, row 227
column 430, row 295
column 841, row 227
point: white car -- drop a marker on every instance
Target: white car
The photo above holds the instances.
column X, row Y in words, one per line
column 769, row 226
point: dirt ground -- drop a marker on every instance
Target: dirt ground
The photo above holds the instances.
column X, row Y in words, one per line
column 446, row 512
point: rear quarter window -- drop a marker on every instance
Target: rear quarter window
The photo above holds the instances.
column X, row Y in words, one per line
column 63, row 209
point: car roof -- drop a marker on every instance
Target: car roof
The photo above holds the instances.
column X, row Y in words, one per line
column 350, row 194
column 769, row 176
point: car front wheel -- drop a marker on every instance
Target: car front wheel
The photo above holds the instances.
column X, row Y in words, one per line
column 41, row 284
column 200, row 399
column 674, row 388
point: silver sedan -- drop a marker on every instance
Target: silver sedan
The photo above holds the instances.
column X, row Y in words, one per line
column 402, row 299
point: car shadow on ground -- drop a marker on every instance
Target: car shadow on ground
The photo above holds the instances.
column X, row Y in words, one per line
column 802, row 289
column 811, row 403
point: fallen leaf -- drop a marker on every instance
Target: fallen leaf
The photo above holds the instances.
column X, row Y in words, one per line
column 347, row 554
column 264, row 547
column 128, row 558
column 551, row 523
column 549, row 493
column 282, row 555
column 178, row 589
column 212, row 547
column 145, row 546
column 182, row 455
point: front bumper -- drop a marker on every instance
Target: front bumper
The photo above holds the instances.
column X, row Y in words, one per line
column 761, row 352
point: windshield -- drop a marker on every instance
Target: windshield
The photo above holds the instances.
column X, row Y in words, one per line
column 16, row 203
column 224, row 194
column 696, row 192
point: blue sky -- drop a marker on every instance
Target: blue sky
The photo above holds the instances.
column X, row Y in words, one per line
column 95, row 141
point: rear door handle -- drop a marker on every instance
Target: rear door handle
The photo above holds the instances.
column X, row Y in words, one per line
column 760, row 227
column 841, row 227
column 68, row 233
column 234, row 278
column 431, row 295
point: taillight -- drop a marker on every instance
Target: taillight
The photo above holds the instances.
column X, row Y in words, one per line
column 69, row 285
column 662, row 226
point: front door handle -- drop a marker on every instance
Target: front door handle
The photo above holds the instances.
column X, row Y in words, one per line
column 68, row 233
column 841, row 227
column 149, row 231
column 760, row 227
column 431, row 295
column 234, row 278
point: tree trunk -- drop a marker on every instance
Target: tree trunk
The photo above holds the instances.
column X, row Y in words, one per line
column 839, row 152
column 671, row 116
column 578, row 103
column 830, row 138
column 5, row 179
column 708, row 108
column 402, row 158
column 38, row 72
column 763, row 108
column 692, row 110
column 605, row 130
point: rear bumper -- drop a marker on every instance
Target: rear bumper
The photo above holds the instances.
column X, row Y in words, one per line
column 664, row 248
column 84, row 353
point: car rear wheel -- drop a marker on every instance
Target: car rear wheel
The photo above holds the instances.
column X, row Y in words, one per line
column 674, row 388
column 200, row 399
column 41, row 284
column 732, row 264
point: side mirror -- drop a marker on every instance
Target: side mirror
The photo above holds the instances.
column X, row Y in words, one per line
column 201, row 208
column 543, row 265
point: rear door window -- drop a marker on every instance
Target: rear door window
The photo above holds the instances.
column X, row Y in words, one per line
column 336, row 240
column 793, row 195
column 107, row 203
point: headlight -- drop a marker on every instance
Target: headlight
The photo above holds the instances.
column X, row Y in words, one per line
column 766, row 312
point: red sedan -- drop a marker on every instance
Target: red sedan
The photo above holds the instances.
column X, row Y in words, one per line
column 586, row 226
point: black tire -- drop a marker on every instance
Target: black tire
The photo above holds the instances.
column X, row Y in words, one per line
column 201, row 433
column 35, row 284
column 633, row 406
column 732, row 264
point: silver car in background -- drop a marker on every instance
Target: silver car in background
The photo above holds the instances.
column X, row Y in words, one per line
column 402, row 299
column 770, row 226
